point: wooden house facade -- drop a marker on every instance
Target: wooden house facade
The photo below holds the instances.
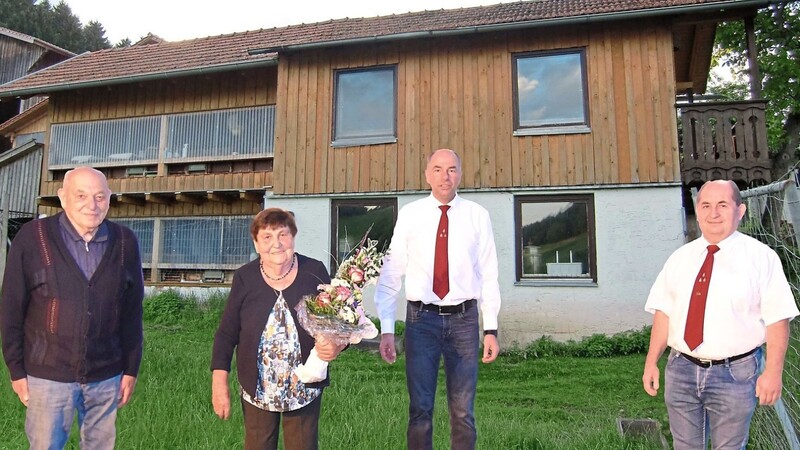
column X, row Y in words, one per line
column 563, row 116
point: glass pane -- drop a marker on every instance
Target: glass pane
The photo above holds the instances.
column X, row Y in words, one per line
column 555, row 239
column 121, row 141
column 233, row 132
column 365, row 104
column 143, row 229
column 550, row 90
column 206, row 241
column 354, row 221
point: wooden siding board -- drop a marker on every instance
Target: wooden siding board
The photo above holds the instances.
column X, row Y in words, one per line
column 619, row 155
column 471, row 117
column 311, row 174
column 455, row 98
column 499, row 164
column 426, row 113
column 293, row 122
column 301, row 145
column 411, row 155
column 323, row 124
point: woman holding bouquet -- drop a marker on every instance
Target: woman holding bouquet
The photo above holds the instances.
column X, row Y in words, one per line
column 261, row 324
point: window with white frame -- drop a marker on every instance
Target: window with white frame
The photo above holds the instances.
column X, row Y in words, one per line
column 352, row 219
column 555, row 237
column 365, row 105
column 550, row 94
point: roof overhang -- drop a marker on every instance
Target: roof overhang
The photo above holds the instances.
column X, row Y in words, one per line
column 538, row 23
column 17, row 153
column 203, row 70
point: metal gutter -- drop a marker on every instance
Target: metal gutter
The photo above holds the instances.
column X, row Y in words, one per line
column 536, row 23
column 226, row 67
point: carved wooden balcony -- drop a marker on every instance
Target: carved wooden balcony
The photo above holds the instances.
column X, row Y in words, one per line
column 724, row 140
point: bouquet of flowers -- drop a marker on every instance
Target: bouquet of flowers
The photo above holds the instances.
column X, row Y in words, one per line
column 336, row 312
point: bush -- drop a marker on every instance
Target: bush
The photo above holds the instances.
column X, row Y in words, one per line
column 164, row 308
column 594, row 346
column 399, row 326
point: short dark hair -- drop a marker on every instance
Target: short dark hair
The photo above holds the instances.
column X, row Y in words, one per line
column 273, row 218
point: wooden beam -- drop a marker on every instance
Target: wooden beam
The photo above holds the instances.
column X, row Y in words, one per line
column 161, row 199
column 48, row 201
column 192, row 198
column 252, row 196
column 221, row 196
column 131, row 199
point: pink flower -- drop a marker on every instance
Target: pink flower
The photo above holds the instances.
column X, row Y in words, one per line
column 342, row 292
column 323, row 299
column 356, row 275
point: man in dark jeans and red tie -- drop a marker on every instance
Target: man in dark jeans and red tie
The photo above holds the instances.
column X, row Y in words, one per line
column 715, row 320
column 444, row 246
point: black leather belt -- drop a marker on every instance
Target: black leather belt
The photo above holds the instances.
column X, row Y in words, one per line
column 444, row 310
column 706, row 363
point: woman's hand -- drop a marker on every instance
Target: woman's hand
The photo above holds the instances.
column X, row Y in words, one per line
column 220, row 394
column 326, row 349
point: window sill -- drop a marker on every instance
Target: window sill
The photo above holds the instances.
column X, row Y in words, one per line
column 543, row 131
column 355, row 142
column 556, row 282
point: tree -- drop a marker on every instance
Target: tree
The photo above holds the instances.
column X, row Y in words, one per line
column 776, row 32
column 56, row 25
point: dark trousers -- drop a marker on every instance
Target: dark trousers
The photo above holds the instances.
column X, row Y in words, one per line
column 300, row 427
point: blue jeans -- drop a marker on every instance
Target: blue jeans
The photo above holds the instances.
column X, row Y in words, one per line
column 52, row 406
column 715, row 402
column 428, row 337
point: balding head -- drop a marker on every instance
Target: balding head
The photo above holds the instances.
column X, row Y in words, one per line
column 85, row 198
column 443, row 174
column 719, row 209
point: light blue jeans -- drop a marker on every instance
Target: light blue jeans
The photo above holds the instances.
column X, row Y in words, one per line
column 52, row 406
column 715, row 402
column 428, row 338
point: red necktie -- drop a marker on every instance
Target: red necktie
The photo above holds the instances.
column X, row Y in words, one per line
column 441, row 277
column 693, row 333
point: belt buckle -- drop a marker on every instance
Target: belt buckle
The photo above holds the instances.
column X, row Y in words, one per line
column 442, row 312
column 708, row 362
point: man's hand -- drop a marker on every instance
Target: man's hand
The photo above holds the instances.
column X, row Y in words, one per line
column 326, row 349
column 490, row 348
column 21, row 389
column 768, row 387
column 220, row 394
column 387, row 349
column 650, row 379
column 126, row 387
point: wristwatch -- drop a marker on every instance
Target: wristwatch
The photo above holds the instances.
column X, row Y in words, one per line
column 492, row 332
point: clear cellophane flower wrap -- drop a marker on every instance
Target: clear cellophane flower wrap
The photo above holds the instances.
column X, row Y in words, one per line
column 336, row 313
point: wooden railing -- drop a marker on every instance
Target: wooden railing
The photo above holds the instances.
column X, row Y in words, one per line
column 724, row 140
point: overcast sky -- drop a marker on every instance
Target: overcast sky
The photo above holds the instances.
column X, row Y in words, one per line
column 176, row 20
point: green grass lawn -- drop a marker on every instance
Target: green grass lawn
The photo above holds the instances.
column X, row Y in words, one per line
column 535, row 403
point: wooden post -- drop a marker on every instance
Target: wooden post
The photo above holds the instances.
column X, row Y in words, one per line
column 752, row 58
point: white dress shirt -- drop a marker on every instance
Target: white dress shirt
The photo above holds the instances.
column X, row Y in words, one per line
column 748, row 291
column 472, row 259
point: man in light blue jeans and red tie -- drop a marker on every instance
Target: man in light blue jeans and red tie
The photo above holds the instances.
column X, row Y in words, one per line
column 444, row 246
column 717, row 300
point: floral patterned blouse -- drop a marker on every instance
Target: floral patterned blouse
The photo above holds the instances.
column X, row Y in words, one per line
column 279, row 355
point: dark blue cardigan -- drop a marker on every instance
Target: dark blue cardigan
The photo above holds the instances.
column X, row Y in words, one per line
column 58, row 325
